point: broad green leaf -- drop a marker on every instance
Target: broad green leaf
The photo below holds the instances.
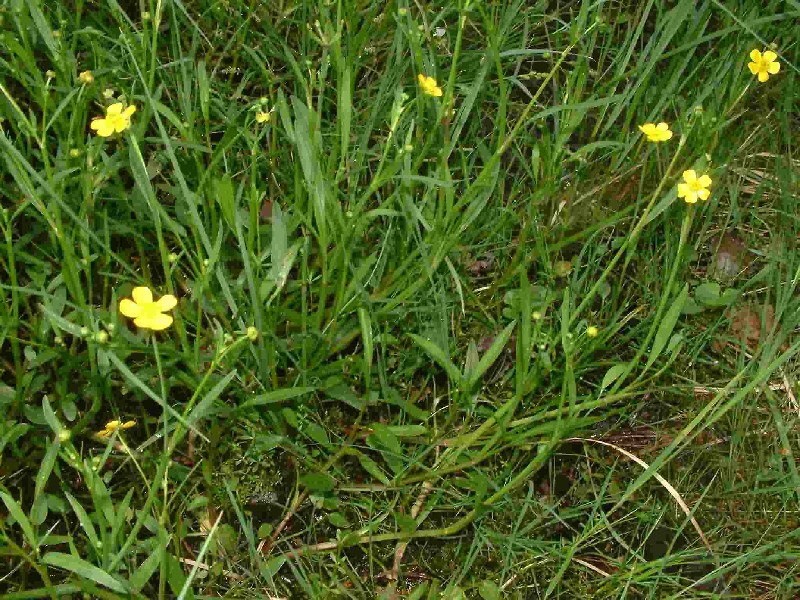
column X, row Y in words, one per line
column 710, row 294
column 489, row 590
column 271, row 567
column 318, row 482
column 317, row 433
column 337, row 519
column 84, row 569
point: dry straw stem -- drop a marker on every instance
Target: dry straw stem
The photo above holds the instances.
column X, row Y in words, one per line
column 667, row 485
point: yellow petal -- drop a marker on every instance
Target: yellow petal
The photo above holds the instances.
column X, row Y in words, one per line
column 105, row 433
column 705, row 181
column 683, row 190
column 690, row 196
column 667, row 135
column 103, row 127
column 128, row 424
column 646, row 128
column 689, row 176
column 142, row 295
column 773, row 67
column 114, row 109
column 129, row 308
column 753, row 67
column 167, row 302
column 112, row 425
column 422, row 79
column 763, row 76
column 436, row 92
column 769, row 56
column 662, row 126
column 755, row 55
column 156, row 322
column 129, row 111
column 703, row 194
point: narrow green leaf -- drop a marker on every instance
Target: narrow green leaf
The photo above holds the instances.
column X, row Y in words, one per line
column 274, row 397
column 136, row 382
column 46, row 466
column 490, row 356
column 84, row 569
column 371, row 467
column 205, row 405
column 612, row 375
column 144, row 572
column 439, row 356
column 226, row 198
column 366, row 336
column 666, row 326
column 85, row 521
column 50, row 416
column 15, row 511
column 279, row 244
column 407, row 430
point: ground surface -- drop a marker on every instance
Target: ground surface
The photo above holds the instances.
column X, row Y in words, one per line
column 446, row 338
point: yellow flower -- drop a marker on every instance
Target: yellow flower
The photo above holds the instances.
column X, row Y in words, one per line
column 113, row 426
column 116, row 120
column 592, row 331
column 86, row 77
column 694, row 187
column 145, row 312
column 656, row 133
column 429, row 85
column 764, row 64
column 262, row 117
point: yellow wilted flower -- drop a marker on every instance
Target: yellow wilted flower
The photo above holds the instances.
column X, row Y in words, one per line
column 113, row 426
column 116, row 120
column 592, row 331
column 262, row 117
column 694, row 187
column 145, row 312
column 763, row 65
column 656, row 133
column 86, row 77
column 429, row 85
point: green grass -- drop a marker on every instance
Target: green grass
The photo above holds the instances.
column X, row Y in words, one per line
column 422, row 413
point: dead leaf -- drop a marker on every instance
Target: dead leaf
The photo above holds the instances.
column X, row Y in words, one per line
column 747, row 323
column 731, row 255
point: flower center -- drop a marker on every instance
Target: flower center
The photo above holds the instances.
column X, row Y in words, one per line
column 150, row 310
column 117, row 121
